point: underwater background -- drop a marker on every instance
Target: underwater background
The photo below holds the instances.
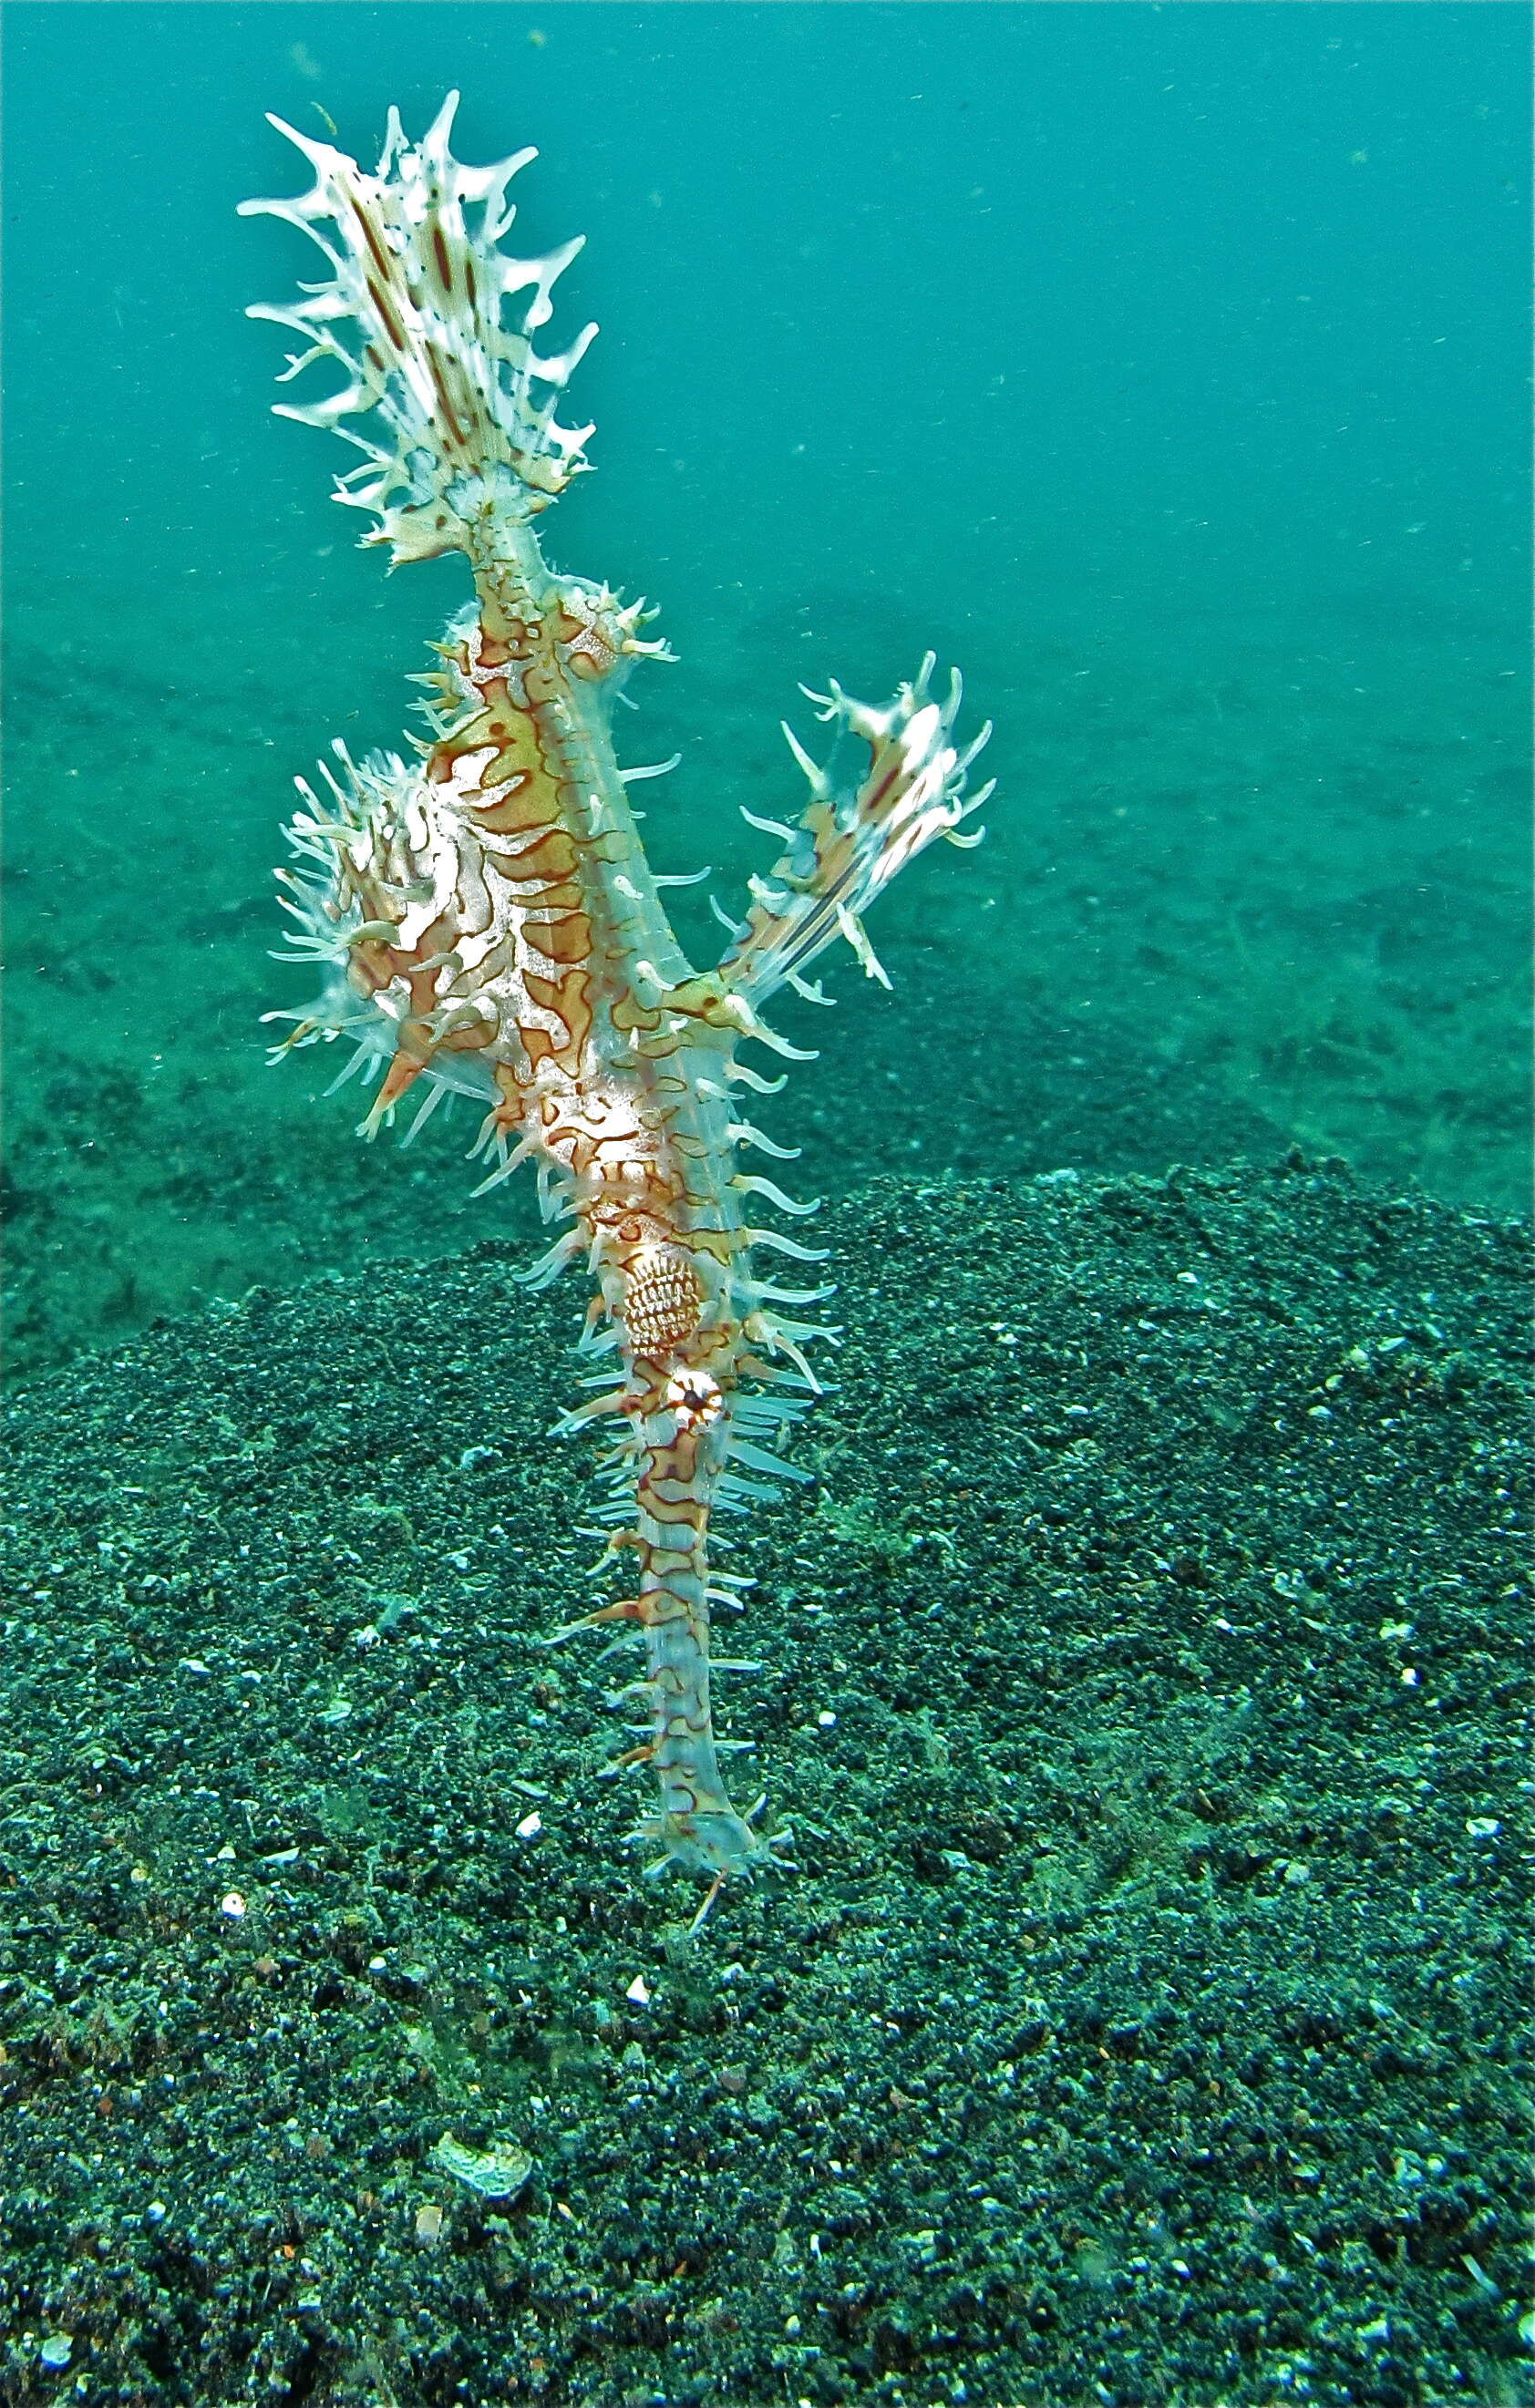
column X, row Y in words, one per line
column 1164, row 367
column 1143, row 2018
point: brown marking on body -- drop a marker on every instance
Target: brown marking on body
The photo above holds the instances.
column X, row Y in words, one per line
column 628, row 1012
column 384, row 264
column 873, row 799
column 468, row 1038
column 519, row 756
column 567, row 999
column 371, row 965
column 519, row 809
column 423, row 989
column 567, row 939
column 553, row 857
column 537, row 1043
column 671, row 1511
column 391, row 323
column 588, row 653
column 508, row 1112
column 543, row 684
column 435, row 364
column 443, row 760
column 482, row 978
column 516, row 765
column 718, row 1244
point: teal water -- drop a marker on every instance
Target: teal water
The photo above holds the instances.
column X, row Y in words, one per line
column 1163, row 367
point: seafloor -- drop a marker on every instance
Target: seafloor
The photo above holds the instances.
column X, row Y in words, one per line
column 1139, row 1677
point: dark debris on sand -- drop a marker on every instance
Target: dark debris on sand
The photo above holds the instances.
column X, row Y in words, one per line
column 1139, row 1678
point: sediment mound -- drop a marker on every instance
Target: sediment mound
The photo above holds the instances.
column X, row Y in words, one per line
column 1138, row 1678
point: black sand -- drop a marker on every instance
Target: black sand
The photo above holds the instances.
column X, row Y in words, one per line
column 1140, row 1678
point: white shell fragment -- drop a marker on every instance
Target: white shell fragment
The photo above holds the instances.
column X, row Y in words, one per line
column 499, row 2172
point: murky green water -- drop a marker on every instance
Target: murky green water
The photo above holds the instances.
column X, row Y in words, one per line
column 1163, row 369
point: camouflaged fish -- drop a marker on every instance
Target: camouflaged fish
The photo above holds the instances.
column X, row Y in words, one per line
column 487, row 924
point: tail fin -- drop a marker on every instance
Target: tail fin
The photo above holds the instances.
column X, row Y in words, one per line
column 848, row 846
column 458, row 394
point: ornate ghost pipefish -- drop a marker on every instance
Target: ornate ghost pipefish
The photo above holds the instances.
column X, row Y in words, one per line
column 487, row 921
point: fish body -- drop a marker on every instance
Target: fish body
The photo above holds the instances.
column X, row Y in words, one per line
column 487, row 923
